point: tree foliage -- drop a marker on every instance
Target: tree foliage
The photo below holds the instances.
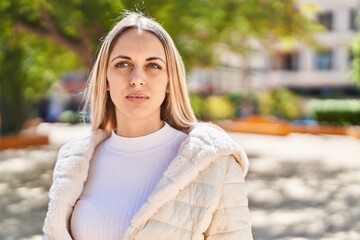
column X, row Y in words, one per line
column 29, row 66
column 196, row 26
column 42, row 39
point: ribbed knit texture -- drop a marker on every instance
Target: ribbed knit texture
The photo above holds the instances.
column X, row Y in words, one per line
column 123, row 173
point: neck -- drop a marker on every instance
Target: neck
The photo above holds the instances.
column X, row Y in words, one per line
column 137, row 129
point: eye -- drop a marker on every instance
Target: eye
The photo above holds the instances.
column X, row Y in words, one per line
column 153, row 66
column 122, row 64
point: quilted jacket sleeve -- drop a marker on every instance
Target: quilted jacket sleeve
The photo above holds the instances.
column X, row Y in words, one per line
column 231, row 220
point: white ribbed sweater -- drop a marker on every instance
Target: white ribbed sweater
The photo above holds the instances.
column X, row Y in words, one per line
column 123, row 173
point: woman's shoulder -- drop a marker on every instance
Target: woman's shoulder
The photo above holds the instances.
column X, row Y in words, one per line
column 78, row 151
column 209, row 134
column 207, row 139
column 85, row 142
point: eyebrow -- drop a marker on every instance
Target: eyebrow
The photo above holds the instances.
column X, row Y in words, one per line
column 148, row 59
column 155, row 58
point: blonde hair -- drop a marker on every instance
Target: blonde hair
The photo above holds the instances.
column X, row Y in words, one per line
column 175, row 110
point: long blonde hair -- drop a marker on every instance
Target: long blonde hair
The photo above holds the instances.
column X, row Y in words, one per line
column 175, row 110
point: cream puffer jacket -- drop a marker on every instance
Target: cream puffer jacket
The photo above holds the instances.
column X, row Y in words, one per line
column 200, row 196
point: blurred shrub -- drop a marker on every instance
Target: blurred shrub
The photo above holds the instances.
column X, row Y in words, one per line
column 235, row 97
column 245, row 103
column 335, row 111
column 71, row 117
column 281, row 103
column 197, row 104
column 219, row 107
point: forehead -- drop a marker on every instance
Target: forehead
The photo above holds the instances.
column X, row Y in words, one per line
column 134, row 41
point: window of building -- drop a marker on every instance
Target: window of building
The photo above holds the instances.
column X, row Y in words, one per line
column 285, row 61
column 326, row 19
column 324, row 60
column 354, row 20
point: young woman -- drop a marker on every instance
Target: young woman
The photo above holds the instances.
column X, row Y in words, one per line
column 148, row 169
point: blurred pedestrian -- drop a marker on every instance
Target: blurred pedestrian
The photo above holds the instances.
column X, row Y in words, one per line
column 148, row 169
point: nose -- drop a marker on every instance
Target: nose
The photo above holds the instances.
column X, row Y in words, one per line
column 137, row 78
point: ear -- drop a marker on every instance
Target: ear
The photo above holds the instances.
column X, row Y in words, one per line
column 107, row 86
column 167, row 88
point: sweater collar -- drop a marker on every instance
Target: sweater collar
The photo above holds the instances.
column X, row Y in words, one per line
column 138, row 144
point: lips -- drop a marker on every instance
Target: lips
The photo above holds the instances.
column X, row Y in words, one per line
column 137, row 98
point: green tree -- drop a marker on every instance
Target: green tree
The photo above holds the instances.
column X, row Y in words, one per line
column 28, row 70
column 196, row 26
column 29, row 67
column 12, row 102
column 42, row 39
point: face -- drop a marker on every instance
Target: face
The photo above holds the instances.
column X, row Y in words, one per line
column 137, row 77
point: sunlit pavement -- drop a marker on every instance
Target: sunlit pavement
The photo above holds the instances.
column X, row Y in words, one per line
column 300, row 186
column 303, row 186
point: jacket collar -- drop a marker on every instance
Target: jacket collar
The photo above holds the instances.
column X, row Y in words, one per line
column 204, row 144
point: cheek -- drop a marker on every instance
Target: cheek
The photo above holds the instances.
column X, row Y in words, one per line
column 115, row 90
column 116, row 80
column 163, row 87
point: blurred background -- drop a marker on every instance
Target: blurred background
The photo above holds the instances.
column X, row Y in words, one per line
column 281, row 76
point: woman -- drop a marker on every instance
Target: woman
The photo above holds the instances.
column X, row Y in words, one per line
column 147, row 170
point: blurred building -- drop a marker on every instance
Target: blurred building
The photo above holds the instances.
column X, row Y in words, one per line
column 66, row 95
column 308, row 70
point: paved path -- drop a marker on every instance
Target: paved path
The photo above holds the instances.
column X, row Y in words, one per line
column 300, row 186
column 25, row 178
column 303, row 187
